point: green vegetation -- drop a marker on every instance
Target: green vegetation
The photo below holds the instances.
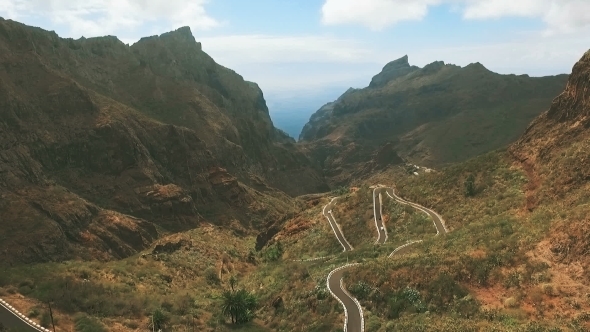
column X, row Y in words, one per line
column 158, row 319
column 342, row 190
column 274, row 252
column 433, row 287
column 238, row 304
column 470, row 185
column 84, row 323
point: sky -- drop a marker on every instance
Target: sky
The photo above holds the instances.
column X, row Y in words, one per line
column 299, row 51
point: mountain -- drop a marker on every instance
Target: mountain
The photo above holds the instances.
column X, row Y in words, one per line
column 431, row 116
column 555, row 151
column 106, row 146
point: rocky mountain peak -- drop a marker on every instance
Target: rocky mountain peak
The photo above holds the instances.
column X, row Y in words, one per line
column 392, row 70
column 398, row 63
column 476, row 67
column 179, row 36
column 182, row 33
column 574, row 102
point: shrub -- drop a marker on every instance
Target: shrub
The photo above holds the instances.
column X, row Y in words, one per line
column 407, row 299
column 211, row 275
column 45, row 319
column 470, row 185
column 443, row 290
column 33, row 313
column 159, row 319
column 274, row 252
column 361, row 290
column 85, row 323
column 548, row 289
column 340, row 191
column 511, row 302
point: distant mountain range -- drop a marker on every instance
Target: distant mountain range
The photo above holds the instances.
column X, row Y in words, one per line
column 435, row 115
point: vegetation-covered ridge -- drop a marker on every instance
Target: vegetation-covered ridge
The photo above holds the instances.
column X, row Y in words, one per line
column 430, row 116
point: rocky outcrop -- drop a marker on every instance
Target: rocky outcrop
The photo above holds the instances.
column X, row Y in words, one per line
column 396, row 68
column 431, row 116
column 555, row 145
column 126, row 138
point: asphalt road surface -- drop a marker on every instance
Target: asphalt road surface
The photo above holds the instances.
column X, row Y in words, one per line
column 337, row 231
column 12, row 322
column 378, row 214
column 355, row 322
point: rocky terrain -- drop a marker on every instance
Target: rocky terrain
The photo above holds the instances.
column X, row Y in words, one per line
column 554, row 150
column 430, row 116
column 106, row 146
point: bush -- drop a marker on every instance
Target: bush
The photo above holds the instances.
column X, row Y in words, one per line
column 340, row 191
column 443, row 290
column 405, row 300
column 211, row 275
column 274, row 252
column 159, row 319
column 33, row 313
column 470, row 186
column 361, row 290
column 511, row 302
column 45, row 320
column 85, row 323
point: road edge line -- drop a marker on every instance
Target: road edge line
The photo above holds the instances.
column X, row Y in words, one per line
column 21, row 316
column 336, row 297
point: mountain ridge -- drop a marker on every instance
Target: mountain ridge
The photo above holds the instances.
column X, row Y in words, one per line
column 432, row 116
column 107, row 147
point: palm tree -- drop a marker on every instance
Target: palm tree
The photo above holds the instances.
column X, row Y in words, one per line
column 239, row 305
column 247, row 303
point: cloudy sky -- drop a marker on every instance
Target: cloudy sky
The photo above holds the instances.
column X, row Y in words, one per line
column 292, row 48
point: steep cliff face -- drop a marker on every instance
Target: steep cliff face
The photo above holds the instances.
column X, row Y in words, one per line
column 555, row 152
column 431, row 116
column 100, row 142
column 556, row 144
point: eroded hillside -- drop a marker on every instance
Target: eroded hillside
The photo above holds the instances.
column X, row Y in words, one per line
column 105, row 145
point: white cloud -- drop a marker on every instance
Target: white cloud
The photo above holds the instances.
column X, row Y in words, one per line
column 560, row 16
column 536, row 55
column 245, row 49
column 116, row 17
column 286, row 65
column 375, row 14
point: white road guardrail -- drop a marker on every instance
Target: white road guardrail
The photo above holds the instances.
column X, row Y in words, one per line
column 352, row 297
column 22, row 317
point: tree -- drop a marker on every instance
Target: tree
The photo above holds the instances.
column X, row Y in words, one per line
column 470, row 185
column 159, row 319
column 238, row 304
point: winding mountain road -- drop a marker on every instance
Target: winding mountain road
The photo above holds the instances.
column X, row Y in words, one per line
column 354, row 320
column 335, row 227
column 378, row 214
column 353, row 312
column 14, row 320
